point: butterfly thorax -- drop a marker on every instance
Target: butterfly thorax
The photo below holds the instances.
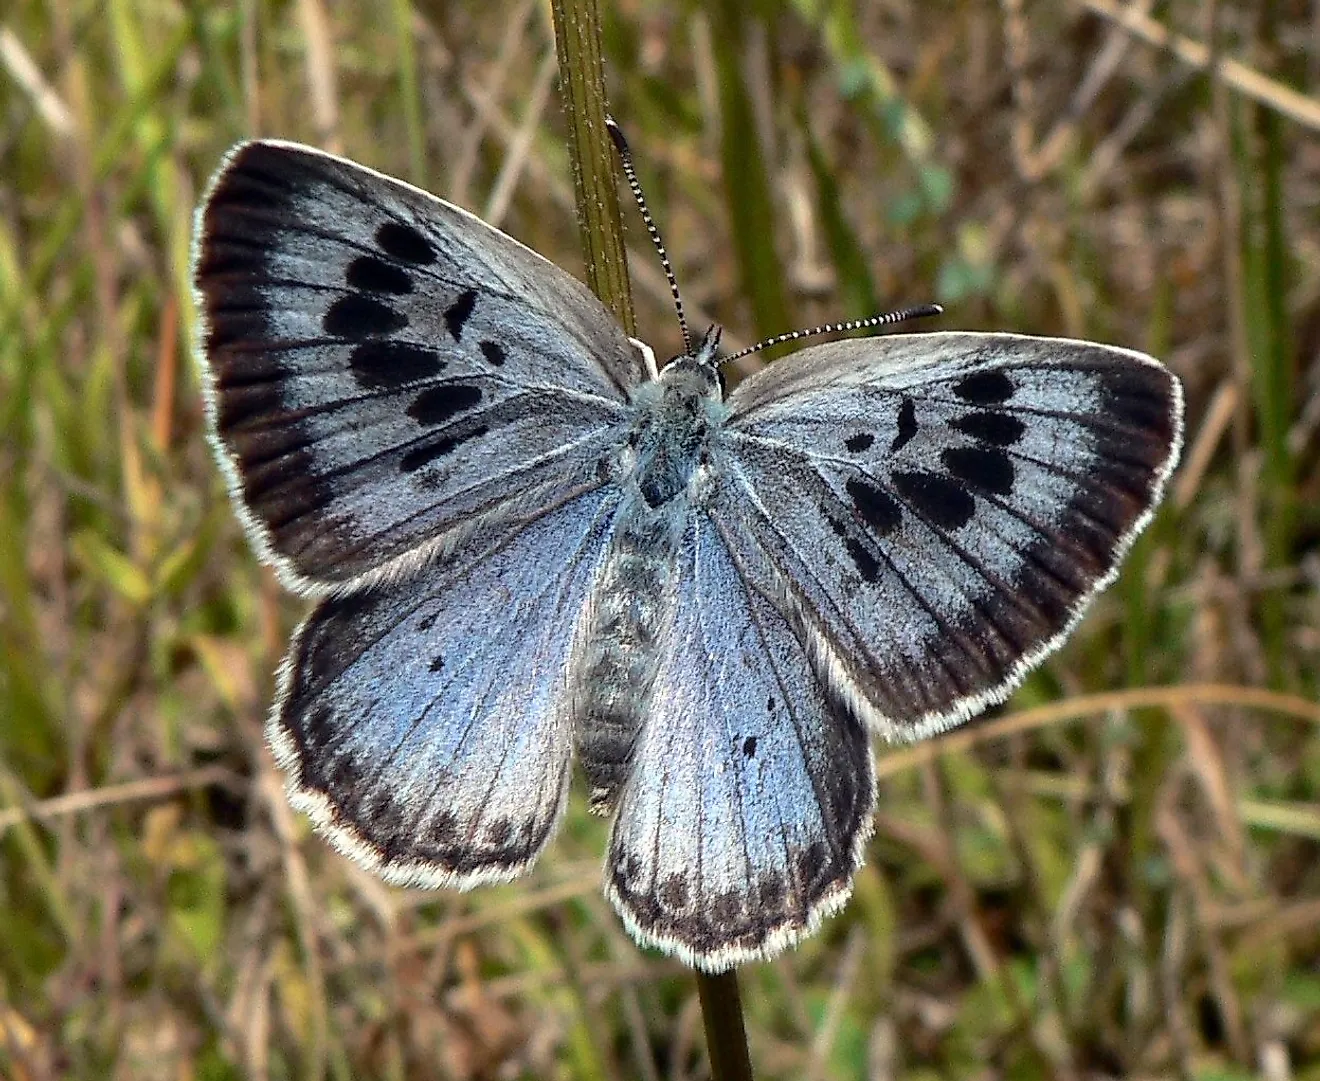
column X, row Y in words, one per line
column 666, row 451
column 662, row 467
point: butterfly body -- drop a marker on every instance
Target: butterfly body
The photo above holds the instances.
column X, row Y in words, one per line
column 527, row 545
column 629, row 607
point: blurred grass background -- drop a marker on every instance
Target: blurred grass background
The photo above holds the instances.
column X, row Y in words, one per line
column 1115, row 875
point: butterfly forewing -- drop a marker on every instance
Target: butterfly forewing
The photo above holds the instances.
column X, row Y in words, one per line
column 937, row 509
column 385, row 368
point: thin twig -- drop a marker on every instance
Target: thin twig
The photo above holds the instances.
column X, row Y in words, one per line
column 90, row 799
column 322, row 83
column 15, row 59
column 582, row 89
column 1245, row 80
column 515, row 160
column 1208, row 694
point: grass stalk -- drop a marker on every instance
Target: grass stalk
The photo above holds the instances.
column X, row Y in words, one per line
column 1266, row 259
column 409, row 92
column 747, row 191
column 722, row 1016
column 582, row 86
column 582, row 90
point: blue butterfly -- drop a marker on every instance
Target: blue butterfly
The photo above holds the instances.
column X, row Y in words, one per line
column 525, row 538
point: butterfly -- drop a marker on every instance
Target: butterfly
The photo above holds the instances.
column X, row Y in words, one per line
column 525, row 540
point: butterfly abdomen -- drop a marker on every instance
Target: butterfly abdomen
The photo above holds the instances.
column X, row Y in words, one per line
column 662, row 470
column 632, row 598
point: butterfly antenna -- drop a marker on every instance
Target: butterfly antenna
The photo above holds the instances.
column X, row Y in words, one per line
column 625, row 156
column 921, row 311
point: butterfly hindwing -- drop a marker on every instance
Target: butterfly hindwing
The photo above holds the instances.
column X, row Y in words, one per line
column 750, row 794
column 938, row 509
column 383, row 366
column 425, row 725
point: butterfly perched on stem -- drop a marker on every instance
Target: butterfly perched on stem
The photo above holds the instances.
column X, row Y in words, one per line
column 527, row 540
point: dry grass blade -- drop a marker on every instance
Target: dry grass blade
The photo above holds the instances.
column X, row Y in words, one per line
column 1014, row 724
column 1245, row 80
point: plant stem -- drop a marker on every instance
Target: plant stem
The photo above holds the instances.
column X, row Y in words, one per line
column 722, row 1016
column 747, row 186
column 582, row 89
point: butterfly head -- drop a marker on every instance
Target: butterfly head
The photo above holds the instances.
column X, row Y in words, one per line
column 701, row 365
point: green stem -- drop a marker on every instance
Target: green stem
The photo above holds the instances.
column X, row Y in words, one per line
column 747, row 185
column 582, row 88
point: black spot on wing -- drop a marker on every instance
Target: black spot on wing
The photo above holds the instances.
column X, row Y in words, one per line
column 356, row 316
column 436, row 405
column 458, row 313
column 493, row 352
column 444, row 829
column 726, row 909
column 907, row 425
column 985, row 467
column 877, row 509
column 421, row 456
column 405, row 243
column 812, row 866
column 387, row 364
column 859, row 442
column 373, row 275
column 497, row 835
column 984, row 388
column 437, row 663
column 998, row 428
column 749, row 747
column 938, row 499
column 674, row 893
column 867, row 565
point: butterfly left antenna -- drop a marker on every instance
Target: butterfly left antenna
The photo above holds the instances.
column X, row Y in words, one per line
column 625, row 157
column 921, row 311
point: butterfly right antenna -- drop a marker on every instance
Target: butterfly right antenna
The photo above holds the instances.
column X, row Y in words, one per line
column 625, row 157
column 921, row 311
